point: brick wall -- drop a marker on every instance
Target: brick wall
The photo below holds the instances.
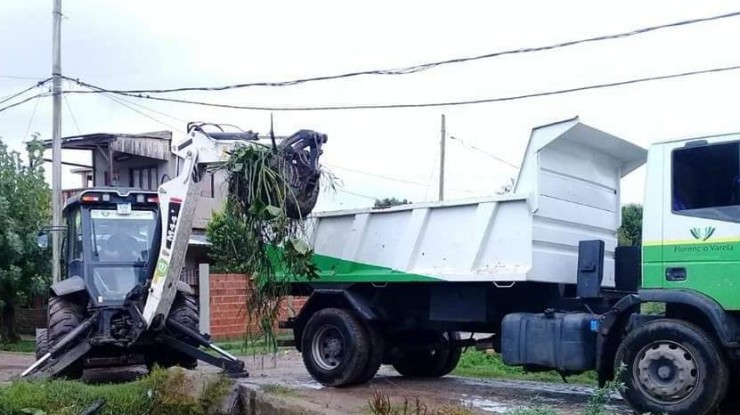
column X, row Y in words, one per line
column 228, row 298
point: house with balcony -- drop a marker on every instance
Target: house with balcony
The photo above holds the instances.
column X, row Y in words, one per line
column 144, row 161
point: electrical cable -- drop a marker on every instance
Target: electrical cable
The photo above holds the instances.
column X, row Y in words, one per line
column 425, row 66
column 7, row 107
column 474, row 148
column 30, row 120
column 419, row 105
column 393, row 179
column 118, row 101
column 21, row 77
column 357, row 194
column 71, row 114
column 17, row 94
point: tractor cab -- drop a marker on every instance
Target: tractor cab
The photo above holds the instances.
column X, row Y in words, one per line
column 110, row 241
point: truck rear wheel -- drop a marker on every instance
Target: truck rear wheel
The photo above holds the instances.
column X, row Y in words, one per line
column 377, row 353
column 64, row 316
column 335, row 347
column 672, row 366
column 432, row 362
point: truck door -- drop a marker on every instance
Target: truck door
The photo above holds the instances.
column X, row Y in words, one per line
column 701, row 221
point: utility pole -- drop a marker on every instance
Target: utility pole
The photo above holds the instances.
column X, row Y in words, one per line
column 442, row 160
column 56, row 137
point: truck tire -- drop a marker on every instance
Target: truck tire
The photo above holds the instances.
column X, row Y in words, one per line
column 184, row 310
column 377, row 353
column 42, row 343
column 672, row 366
column 335, row 347
column 430, row 363
column 64, row 316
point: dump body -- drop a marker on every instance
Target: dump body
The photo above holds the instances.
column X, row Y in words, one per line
column 568, row 190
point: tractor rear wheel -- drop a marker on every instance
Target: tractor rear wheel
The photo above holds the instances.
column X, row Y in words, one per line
column 432, row 362
column 185, row 311
column 42, row 343
column 65, row 315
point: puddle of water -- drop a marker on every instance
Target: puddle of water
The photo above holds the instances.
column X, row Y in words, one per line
column 489, row 405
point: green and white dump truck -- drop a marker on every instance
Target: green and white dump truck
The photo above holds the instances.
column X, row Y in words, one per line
column 540, row 271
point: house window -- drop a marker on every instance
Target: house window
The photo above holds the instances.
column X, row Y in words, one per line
column 145, row 178
column 706, row 181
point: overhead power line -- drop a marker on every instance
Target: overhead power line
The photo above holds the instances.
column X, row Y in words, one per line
column 418, row 105
column 7, row 107
column 429, row 65
column 484, row 152
column 389, row 178
column 17, row 94
column 71, row 114
column 30, row 120
column 21, row 77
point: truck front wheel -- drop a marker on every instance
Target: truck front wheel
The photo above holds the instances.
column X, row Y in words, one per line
column 335, row 347
column 672, row 366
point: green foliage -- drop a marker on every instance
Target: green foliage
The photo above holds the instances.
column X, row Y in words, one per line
column 163, row 392
column 389, row 202
column 22, row 346
column 474, row 363
column 25, row 207
column 255, row 235
column 602, row 396
column 630, row 233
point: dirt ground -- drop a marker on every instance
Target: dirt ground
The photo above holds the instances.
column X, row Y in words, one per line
column 481, row 396
column 292, row 380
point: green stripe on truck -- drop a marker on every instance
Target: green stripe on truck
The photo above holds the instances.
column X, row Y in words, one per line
column 341, row 270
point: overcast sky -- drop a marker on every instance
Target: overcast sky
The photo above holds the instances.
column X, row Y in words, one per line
column 159, row 44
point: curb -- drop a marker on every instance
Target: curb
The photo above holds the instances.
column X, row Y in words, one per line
column 256, row 402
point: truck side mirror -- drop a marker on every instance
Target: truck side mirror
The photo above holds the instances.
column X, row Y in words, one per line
column 42, row 240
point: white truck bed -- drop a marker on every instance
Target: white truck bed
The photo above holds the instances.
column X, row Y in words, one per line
column 567, row 190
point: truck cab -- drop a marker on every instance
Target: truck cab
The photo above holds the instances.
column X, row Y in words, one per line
column 109, row 242
column 691, row 225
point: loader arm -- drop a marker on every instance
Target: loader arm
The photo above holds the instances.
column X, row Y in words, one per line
column 177, row 201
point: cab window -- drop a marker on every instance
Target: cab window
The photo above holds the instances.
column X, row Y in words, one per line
column 706, row 181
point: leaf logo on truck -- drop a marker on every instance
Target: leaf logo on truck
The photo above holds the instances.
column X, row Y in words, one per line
column 702, row 234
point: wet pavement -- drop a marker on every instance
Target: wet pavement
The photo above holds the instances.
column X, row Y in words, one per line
column 482, row 396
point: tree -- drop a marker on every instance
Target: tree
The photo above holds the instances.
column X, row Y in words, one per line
column 25, row 207
column 389, row 202
column 630, row 233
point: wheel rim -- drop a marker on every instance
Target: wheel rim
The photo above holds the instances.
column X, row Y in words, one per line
column 666, row 371
column 328, row 347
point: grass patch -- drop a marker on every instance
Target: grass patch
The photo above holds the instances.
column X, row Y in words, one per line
column 278, row 390
column 25, row 346
column 256, row 347
column 474, row 363
column 164, row 392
